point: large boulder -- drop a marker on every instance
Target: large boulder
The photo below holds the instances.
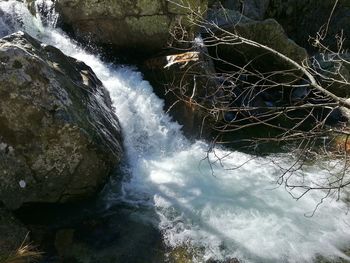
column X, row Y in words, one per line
column 303, row 18
column 267, row 32
column 185, row 80
column 141, row 25
column 254, row 9
column 59, row 137
column 190, row 79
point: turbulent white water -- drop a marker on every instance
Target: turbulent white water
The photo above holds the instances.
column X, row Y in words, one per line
column 232, row 214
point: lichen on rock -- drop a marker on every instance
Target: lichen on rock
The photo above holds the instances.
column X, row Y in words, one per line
column 59, row 136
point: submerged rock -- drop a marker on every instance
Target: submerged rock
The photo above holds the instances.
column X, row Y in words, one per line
column 59, row 137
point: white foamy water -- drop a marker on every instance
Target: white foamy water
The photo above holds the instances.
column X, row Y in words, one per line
column 231, row 214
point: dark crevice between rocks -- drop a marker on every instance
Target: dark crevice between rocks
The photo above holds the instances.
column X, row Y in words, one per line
column 130, row 56
column 87, row 232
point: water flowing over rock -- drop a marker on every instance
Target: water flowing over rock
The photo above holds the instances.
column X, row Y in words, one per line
column 195, row 204
column 142, row 25
column 59, row 138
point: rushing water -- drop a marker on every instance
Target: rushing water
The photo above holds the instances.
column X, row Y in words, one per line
column 237, row 213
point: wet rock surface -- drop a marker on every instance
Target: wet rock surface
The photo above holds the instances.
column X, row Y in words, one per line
column 184, row 80
column 59, row 137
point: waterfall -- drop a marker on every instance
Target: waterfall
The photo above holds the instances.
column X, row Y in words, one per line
column 45, row 12
column 235, row 213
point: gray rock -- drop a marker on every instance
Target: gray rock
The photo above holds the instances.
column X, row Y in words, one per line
column 142, row 25
column 254, row 9
column 267, row 32
column 192, row 79
column 59, row 137
column 303, row 18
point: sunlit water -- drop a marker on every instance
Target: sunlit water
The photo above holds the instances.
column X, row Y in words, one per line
column 237, row 213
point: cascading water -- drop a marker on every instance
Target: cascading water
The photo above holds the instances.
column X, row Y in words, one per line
column 234, row 214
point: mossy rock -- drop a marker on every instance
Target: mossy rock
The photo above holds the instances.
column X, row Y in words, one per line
column 133, row 25
column 59, row 137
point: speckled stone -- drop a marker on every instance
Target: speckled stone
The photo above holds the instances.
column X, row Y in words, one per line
column 59, row 138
